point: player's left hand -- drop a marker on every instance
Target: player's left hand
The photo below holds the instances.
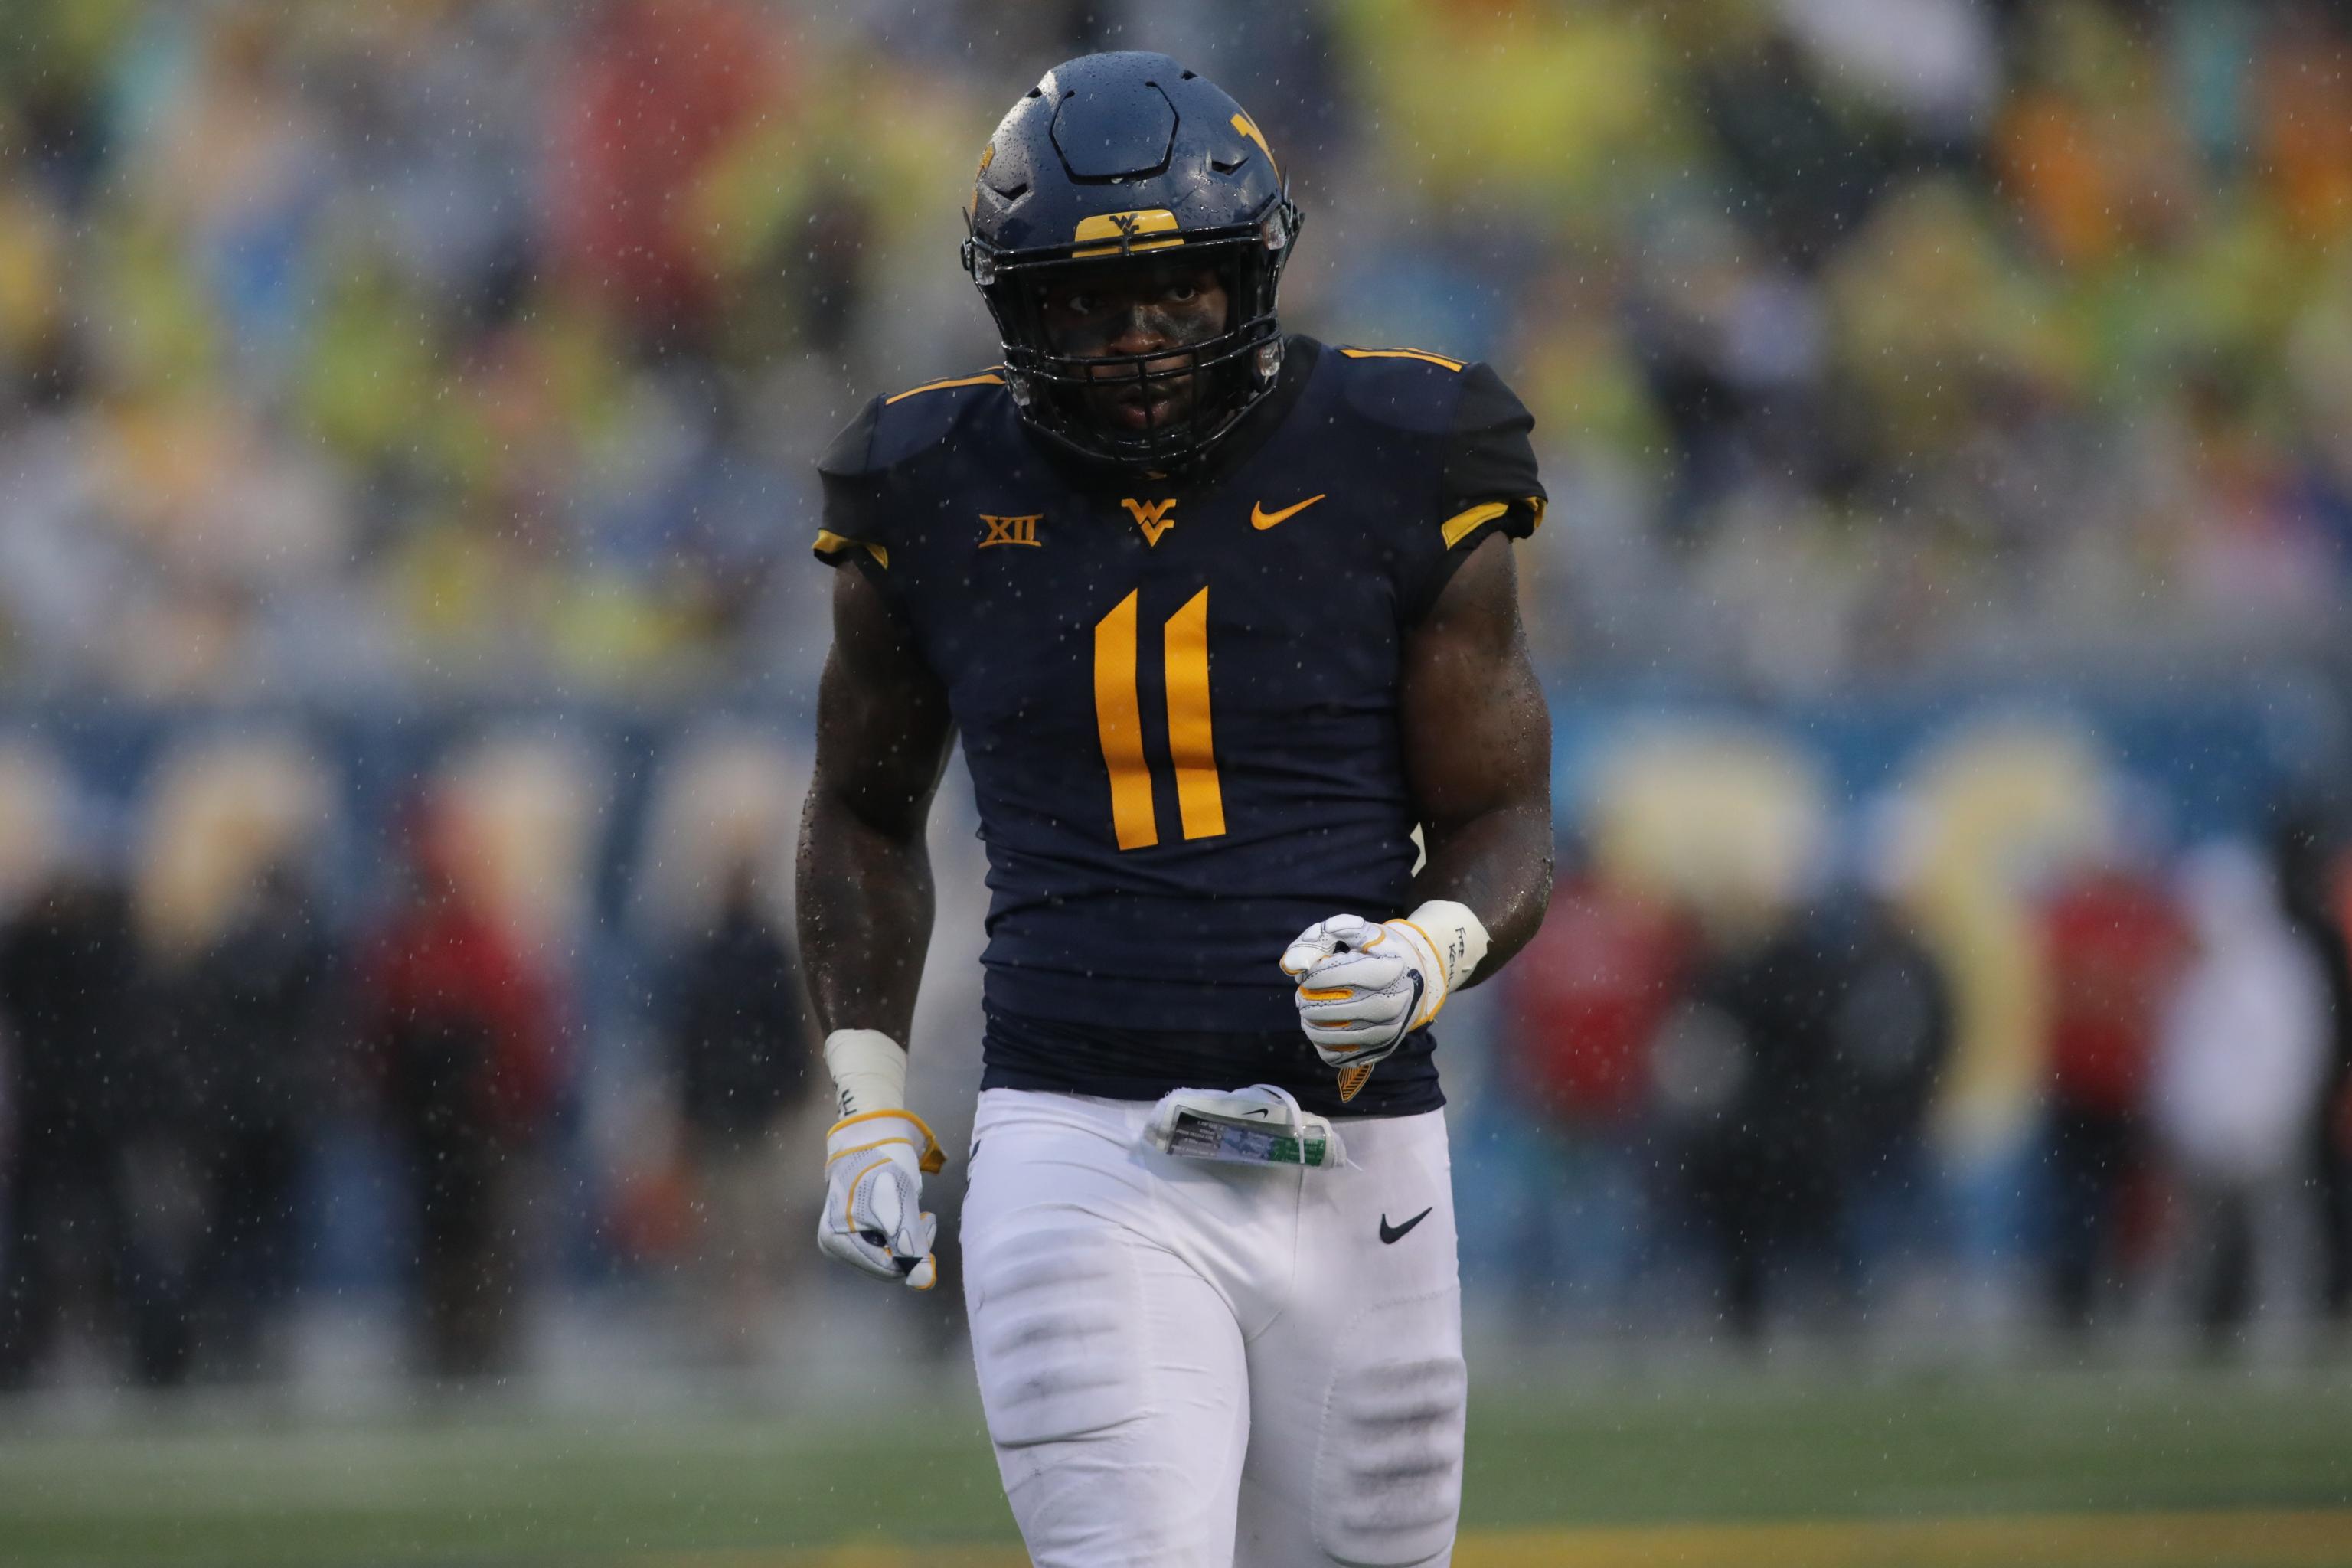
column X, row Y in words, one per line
column 873, row 1219
column 1362, row 988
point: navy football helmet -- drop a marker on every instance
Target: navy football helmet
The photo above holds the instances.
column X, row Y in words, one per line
column 1120, row 159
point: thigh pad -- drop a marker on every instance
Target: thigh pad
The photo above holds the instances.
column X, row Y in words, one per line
column 1388, row 1465
column 1057, row 1331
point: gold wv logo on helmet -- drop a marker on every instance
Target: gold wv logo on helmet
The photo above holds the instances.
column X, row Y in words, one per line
column 1121, row 229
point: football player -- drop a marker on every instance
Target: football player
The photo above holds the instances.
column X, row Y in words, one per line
column 1222, row 616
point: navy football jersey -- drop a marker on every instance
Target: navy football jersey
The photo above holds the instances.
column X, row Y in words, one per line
column 1178, row 697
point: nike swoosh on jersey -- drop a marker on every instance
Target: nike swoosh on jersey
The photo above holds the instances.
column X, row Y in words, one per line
column 1392, row 1235
column 1261, row 518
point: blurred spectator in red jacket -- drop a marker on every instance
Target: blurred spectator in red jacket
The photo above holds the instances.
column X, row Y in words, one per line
column 2114, row 943
column 1587, row 1000
column 660, row 92
column 459, row 1029
column 1582, row 1007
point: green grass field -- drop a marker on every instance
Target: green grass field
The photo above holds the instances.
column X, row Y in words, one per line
column 2217, row 1469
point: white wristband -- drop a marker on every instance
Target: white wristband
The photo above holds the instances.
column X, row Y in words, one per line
column 1457, row 935
column 869, row 1070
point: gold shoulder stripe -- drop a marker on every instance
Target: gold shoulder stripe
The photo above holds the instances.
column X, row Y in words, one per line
column 987, row 378
column 1454, row 365
column 831, row 544
column 1462, row 525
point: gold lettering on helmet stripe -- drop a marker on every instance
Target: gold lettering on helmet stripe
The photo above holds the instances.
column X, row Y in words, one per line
column 1121, row 229
column 1151, row 516
column 1248, row 127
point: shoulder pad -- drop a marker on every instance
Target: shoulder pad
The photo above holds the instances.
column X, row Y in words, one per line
column 892, row 430
column 1406, row 389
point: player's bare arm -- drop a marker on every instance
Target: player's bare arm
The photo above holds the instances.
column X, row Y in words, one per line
column 864, row 905
column 865, row 871
column 1476, row 740
column 1477, row 751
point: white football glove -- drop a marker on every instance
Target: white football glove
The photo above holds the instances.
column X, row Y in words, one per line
column 1362, row 988
column 873, row 1219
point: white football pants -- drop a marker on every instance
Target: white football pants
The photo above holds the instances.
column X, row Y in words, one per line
column 1196, row 1365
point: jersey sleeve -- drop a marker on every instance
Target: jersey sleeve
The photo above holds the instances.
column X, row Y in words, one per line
column 855, row 528
column 1488, row 482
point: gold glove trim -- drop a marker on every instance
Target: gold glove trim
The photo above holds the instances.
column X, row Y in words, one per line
column 932, row 1160
column 1444, row 987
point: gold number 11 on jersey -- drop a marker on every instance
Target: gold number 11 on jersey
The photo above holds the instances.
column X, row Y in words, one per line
column 1119, row 717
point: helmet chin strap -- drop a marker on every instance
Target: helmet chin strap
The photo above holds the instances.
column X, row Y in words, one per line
column 1162, row 445
column 1225, row 374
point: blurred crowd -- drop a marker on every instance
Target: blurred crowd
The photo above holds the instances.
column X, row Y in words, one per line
column 421, row 344
column 2018, row 1035
column 1736, row 1104
column 202, row 1024
column 164, row 1112
column 2016, row 1045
